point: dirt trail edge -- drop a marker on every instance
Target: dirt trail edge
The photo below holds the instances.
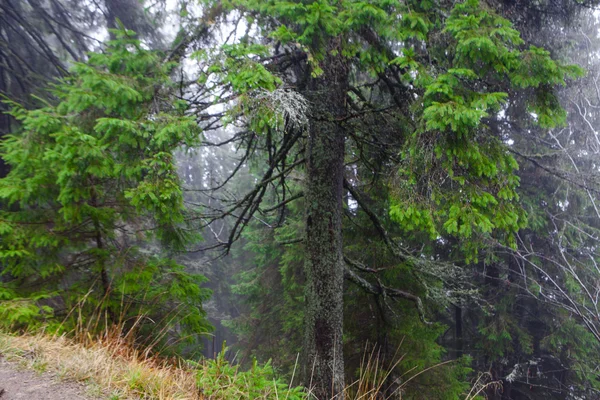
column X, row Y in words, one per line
column 17, row 383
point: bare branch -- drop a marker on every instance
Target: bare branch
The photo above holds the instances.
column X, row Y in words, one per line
column 381, row 290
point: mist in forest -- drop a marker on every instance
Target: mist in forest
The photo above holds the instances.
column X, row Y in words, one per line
column 308, row 185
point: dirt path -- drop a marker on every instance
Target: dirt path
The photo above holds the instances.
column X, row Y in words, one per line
column 19, row 384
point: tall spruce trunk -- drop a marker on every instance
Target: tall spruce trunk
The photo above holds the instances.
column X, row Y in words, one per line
column 324, row 264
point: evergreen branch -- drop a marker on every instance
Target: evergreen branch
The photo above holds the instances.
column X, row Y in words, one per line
column 556, row 173
column 283, row 203
column 290, row 242
column 391, row 245
column 381, row 290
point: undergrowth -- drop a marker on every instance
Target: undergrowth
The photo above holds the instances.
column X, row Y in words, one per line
column 114, row 369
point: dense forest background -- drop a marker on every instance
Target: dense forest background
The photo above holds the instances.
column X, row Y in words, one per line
column 314, row 183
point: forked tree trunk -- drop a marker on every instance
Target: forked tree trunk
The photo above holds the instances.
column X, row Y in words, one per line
column 323, row 358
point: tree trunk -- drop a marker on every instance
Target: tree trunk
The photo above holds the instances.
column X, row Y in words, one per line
column 458, row 331
column 323, row 358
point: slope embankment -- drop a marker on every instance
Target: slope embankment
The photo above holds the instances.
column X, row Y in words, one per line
column 37, row 367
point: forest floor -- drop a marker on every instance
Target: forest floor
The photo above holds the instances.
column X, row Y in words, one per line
column 17, row 383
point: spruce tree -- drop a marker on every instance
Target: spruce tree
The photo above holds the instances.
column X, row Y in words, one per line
column 443, row 74
column 93, row 188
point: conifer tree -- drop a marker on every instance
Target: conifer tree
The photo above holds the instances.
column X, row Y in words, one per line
column 93, row 183
column 441, row 75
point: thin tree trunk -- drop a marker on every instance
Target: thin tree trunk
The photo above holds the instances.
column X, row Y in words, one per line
column 324, row 362
column 459, row 331
column 103, row 273
column 104, row 278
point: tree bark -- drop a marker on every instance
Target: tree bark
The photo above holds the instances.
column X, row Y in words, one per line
column 324, row 263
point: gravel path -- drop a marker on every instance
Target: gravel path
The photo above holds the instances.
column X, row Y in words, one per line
column 17, row 384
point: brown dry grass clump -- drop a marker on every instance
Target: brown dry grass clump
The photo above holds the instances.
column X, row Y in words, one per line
column 108, row 364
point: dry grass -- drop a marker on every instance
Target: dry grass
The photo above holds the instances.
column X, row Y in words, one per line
column 484, row 382
column 374, row 374
column 112, row 367
column 108, row 364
